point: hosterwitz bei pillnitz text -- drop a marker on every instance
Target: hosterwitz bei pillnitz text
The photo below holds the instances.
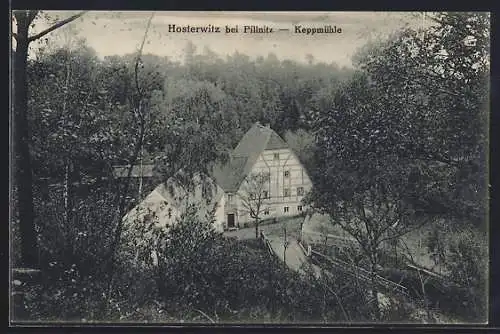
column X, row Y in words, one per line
column 253, row 29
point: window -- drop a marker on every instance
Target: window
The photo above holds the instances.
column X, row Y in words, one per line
column 286, row 173
column 285, row 209
column 286, row 192
column 276, row 156
column 265, row 194
column 300, row 191
column 299, row 208
column 266, row 211
column 230, row 198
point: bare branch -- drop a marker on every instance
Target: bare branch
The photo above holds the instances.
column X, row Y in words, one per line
column 252, row 197
column 339, row 301
column 404, row 231
column 139, row 54
column 121, row 196
column 55, row 26
column 356, row 235
column 205, row 315
column 137, row 112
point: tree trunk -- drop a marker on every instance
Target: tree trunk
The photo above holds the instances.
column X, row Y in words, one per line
column 67, row 192
column 424, row 295
column 21, row 139
column 141, row 173
column 285, row 245
column 256, row 228
column 21, row 135
column 376, row 305
column 67, row 161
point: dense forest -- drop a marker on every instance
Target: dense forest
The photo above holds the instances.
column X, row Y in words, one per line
column 403, row 133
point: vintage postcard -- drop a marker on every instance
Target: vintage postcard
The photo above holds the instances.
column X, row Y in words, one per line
column 308, row 168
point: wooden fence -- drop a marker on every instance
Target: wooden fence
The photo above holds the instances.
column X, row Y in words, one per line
column 267, row 243
column 329, row 236
column 303, row 249
column 331, row 239
column 338, row 241
column 425, row 271
column 355, row 271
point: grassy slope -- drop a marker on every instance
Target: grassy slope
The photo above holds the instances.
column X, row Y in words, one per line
column 271, row 229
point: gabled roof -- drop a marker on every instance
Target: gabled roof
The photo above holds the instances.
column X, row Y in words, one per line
column 258, row 139
column 168, row 200
column 275, row 142
column 230, row 175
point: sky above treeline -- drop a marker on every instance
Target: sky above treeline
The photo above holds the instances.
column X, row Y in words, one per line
column 119, row 33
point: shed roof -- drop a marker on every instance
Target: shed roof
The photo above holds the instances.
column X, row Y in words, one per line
column 137, row 171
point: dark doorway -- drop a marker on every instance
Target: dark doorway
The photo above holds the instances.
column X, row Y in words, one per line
column 230, row 220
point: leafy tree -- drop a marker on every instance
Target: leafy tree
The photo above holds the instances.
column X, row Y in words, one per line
column 198, row 129
column 118, row 74
column 438, row 77
column 266, row 90
column 302, row 143
column 139, row 109
column 389, row 147
column 461, row 253
column 24, row 20
column 469, row 268
column 72, row 133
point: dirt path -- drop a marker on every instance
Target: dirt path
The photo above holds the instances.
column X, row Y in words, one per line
column 294, row 256
column 241, row 234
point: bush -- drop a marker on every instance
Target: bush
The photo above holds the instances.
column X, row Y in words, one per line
column 74, row 253
column 196, row 274
column 199, row 271
column 83, row 240
column 468, row 265
column 218, row 275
